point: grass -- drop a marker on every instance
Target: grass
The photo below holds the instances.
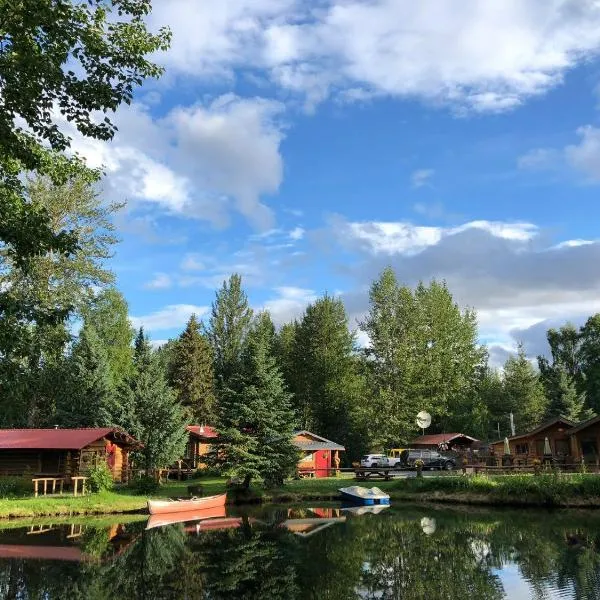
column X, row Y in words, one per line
column 526, row 490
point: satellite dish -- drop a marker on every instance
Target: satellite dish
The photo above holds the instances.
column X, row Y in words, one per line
column 423, row 419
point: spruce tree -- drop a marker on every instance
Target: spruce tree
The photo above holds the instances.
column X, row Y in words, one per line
column 227, row 329
column 523, row 392
column 157, row 419
column 563, row 398
column 89, row 397
column 255, row 421
column 191, row 373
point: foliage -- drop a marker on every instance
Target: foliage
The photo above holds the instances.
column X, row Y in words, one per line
column 100, row 478
column 157, row 419
column 95, row 541
column 228, row 326
column 255, row 420
column 191, row 372
column 590, row 361
column 424, row 354
column 15, row 486
column 144, row 485
column 523, row 392
column 60, row 62
column 329, row 387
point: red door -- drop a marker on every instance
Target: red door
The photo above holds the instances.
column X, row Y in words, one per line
column 322, row 463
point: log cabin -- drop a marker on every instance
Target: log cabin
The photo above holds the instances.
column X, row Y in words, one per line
column 585, row 441
column 199, row 441
column 65, row 452
column 530, row 445
column 444, row 441
column 320, row 456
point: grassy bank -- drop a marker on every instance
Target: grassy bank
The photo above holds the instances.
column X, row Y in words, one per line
column 511, row 490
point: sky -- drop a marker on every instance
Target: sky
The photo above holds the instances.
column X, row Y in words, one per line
column 308, row 144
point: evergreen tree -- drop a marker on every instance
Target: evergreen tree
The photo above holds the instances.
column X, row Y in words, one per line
column 255, row 422
column 330, row 389
column 284, row 349
column 157, row 419
column 590, row 361
column 563, row 398
column 227, row 329
column 89, row 397
column 523, row 392
column 191, row 372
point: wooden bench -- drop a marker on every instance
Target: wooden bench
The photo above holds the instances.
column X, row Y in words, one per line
column 362, row 474
column 45, row 481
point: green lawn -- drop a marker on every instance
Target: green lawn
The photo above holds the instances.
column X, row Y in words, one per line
column 547, row 489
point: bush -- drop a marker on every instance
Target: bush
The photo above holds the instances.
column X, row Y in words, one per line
column 11, row 487
column 144, row 485
column 100, row 478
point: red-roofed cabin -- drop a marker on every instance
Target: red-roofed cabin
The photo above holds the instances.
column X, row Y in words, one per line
column 200, row 439
column 318, row 454
column 64, row 452
column 448, row 441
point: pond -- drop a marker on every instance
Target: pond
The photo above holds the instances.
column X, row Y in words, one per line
column 402, row 552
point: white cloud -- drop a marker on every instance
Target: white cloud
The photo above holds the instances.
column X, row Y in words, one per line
column 573, row 243
column 193, row 262
column 296, row 234
column 170, row 317
column 161, row 281
column 289, row 303
column 483, row 56
column 421, row 177
column 539, row 159
column 585, row 156
column 397, row 237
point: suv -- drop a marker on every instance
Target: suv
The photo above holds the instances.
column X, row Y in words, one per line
column 395, row 457
column 374, row 460
column 432, row 459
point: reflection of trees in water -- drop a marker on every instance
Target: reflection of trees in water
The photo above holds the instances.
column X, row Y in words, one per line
column 387, row 556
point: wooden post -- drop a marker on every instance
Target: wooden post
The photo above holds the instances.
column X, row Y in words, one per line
column 75, row 483
column 35, row 488
column 45, row 486
column 62, row 481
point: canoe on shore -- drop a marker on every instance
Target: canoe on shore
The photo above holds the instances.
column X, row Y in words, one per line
column 165, row 507
column 364, row 496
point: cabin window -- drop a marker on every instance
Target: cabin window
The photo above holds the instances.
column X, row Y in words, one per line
column 589, row 447
column 562, row 447
column 522, row 449
column 307, row 457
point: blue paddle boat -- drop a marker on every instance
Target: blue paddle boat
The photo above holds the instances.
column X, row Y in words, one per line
column 364, row 496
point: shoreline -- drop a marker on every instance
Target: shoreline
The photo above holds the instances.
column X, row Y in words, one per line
column 520, row 491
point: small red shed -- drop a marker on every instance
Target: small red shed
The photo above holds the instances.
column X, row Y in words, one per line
column 320, row 456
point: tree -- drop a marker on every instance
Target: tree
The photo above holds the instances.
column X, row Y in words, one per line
column 157, row 419
column 88, row 397
column 329, row 394
column 523, row 392
column 284, row 350
column 227, row 329
column 60, row 61
column 255, row 420
column 191, row 372
column 423, row 354
column 108, row 313
column 563, row 398
column 590, row 361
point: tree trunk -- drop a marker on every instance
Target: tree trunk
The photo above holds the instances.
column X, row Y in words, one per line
column 246, row 483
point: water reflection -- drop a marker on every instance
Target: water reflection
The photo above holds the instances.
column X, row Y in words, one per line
column 303, row 552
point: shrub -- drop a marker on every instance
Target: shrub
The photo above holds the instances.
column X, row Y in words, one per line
column 144, row 485
column 100, row 478
column 15, row 486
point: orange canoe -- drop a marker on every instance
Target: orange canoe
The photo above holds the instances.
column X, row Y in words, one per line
column 201, row 514
column 166, row 507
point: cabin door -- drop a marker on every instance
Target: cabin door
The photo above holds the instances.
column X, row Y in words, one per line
column 322, row 463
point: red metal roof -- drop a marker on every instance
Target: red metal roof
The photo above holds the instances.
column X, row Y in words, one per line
column 51, row 439
column 438, row 438
column 203, row 431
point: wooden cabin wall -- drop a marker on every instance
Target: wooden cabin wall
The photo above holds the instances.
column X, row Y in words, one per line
column 20, row 462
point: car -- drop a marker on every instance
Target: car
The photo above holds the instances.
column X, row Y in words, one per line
column 395, row 457
column 432, row 459
column 374, row 460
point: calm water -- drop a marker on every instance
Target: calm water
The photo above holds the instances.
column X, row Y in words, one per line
column 327, row 553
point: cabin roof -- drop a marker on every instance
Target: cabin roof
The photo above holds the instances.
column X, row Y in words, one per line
column 202, row 431
column 584, row 425
column 57, row 439
column 439, row 438
column 538, row 429
column 318, row 442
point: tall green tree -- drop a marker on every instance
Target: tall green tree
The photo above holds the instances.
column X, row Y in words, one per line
column 423, row 355
column 108, row 313
column 191, row 373
column 228, row 326
column 284, row 349
column 59, row 61
column 157, row 419
column 590, row 361
column 330, row 389
column 563, row 398
column 523, row 392
column 255, row 419
column 88, row 397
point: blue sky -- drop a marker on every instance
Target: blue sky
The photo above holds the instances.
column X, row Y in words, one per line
column 307, row 145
